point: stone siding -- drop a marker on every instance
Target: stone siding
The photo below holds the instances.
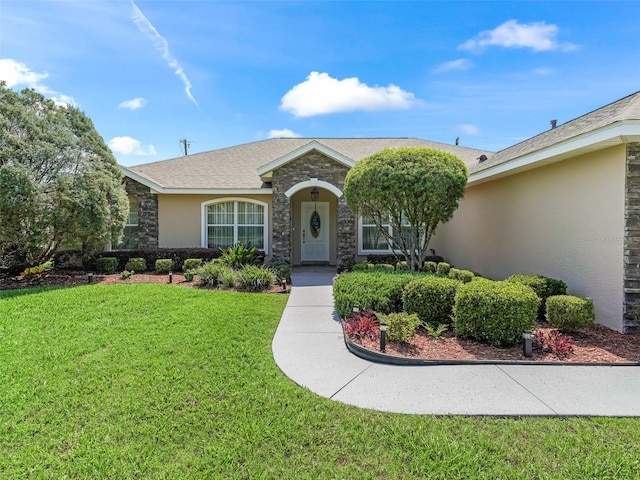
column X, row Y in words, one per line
column 147, row 213
column 632, row 237
column 311, row 165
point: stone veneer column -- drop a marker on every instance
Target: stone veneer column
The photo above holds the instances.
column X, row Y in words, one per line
column 147, row 213
column 631, row 237
column 280, row 219
column 311, row 165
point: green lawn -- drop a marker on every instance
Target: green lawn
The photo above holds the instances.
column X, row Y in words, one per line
column 159, row 381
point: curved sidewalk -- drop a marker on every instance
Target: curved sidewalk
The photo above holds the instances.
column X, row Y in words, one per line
column 309, row 348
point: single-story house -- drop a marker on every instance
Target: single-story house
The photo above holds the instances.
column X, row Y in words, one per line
column 565, row 204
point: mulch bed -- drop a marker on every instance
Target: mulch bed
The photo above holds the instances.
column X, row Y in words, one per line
column 593, row 344
column 68, row 278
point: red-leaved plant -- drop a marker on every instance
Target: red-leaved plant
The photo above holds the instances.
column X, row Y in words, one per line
column 362, row 325
column 553, row 341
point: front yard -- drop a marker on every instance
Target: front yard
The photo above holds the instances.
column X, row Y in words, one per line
column 157, row 381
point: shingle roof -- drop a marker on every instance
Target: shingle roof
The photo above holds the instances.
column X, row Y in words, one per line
column 236, row 167
column 627, row 108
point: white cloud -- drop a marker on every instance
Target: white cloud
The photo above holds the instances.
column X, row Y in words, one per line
column 161, row 45
column 468, row 128
column 320, row 94
column 538, row 36
column 130, row 146
column 16, row 73
column 460, row 64
column 134, row 103
column 284, row 133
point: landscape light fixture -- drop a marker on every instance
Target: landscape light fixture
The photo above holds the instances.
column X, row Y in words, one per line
column 356, row 308
column 90, row 278
column 170, row 277
column 383, row 337
column 527, row 344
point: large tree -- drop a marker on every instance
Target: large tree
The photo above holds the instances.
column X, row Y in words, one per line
column 412, row 190
column 59, row 182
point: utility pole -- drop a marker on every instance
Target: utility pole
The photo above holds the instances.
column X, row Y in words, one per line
column 184, row 143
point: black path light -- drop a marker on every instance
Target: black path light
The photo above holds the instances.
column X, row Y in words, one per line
column 356, row 308
column 170, row 277
column 90, row 277
column 383, row 337
column 527, row 344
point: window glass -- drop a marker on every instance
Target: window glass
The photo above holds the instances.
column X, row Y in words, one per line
column 232, row 222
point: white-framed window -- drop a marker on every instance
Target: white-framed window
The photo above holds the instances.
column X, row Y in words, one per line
column 227, row 221
column 130, row 233
column 370, row 240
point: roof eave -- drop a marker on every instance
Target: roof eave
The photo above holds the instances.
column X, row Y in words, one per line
column 622, row 132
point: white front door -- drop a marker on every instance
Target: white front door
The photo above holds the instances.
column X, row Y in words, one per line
column 315, row 232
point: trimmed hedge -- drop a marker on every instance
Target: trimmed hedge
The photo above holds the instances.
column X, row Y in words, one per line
column 543, row 286
column 431, row 298
column 137, row 265
column 107, row 265
column 569, row 313
column 393, row 259
column 380, row 291
column 494, row 312
column 464, row 276
column 430, row 267
column 178, row 255
column 164, row 265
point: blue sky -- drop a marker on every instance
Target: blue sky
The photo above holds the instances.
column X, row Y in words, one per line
column 150, row 73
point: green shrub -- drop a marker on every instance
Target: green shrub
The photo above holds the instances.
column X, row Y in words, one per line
column 228, row 278
column 494, row 312
column 568, row 313
column 106, row 264
column 464, row 276
column 136, row 264
column 126, row 274
column 164, row 265
column 361, row 266
column 188, row 276
column 387, row 267
column 543, row 286
column 255, row 279
column 443, row 268
column 431, row 298
column 400, row 326
column 430, row 267
column 281, row 268
column 380, row 291
column 191, row 264
column 240, row 255
column 403, row 265
column 212, row 274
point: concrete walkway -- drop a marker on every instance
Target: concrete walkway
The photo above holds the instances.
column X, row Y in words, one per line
column 309, row 348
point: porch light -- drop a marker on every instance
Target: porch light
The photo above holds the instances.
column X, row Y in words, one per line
column 527, row 344
column 314, row 194
column 383, row 336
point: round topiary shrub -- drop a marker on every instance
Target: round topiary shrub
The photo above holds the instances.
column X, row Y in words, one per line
column 431, row 298
column 136, row 264
column 164, row 265
column 568, row 313
column 401, row 326
column 430, row 267
column 106, row 264
column 443, row 268
column 494, row 312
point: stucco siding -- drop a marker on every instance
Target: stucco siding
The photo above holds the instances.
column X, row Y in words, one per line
column 564, row 220
column 180, row 218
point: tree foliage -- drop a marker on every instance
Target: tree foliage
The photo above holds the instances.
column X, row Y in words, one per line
column 412, row 189
column 59, row 183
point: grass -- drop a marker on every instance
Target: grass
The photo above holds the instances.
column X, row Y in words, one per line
column 163, row 382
